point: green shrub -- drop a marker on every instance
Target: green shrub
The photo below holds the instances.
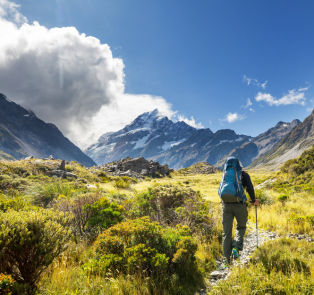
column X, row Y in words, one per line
column 30, row 241
column 283, row 198
column 137, row 246
column 103, row 214
column 263, row 197
column 78, row 207
column 123, row 183
column 171, row 205
column 6, row 284
column 12, row 200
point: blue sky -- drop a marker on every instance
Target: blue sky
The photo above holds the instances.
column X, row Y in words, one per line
column 195, row 54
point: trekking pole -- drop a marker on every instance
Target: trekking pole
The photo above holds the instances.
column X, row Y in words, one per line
column 256, row 230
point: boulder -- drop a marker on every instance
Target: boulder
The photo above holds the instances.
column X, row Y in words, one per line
column 137, row 167
column 62, row 165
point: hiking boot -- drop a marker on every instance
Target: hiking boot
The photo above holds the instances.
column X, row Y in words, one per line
column 225, row 264
column 235, row 253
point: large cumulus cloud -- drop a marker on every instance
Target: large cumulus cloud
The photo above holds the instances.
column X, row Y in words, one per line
column 66, row 78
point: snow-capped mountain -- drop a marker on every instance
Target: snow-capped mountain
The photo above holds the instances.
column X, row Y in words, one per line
column 153, row 136
column 148, row 135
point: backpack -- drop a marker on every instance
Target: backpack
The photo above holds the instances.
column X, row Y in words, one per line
column 230, row 188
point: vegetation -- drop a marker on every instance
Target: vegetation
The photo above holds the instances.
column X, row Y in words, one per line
column 99, row 234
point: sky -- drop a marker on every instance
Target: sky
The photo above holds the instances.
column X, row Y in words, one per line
column 92, row 66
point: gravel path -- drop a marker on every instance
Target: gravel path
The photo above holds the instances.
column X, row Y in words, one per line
column 249, row 246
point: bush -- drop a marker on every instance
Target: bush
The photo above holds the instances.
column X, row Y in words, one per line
column 78, row 208
column 6, row 284
column 92, row 212
column 263, row 197
column 138, row 246
column 123, row 183
column 170, row 205
column 104, row 214
column 282, row 198
column 12, row 200
column 29, row 242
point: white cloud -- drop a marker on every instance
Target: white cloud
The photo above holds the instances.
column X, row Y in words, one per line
column 293, row 97
column 264, row 85
column 254, row 82
column 248, row 103
column 310, row 109
column 68, row 78
column 232, row 117
column 252, row 110
column 190, row 122
column 10, row 11
column 247, row 80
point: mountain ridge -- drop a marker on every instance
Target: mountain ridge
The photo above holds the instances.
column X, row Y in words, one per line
column 23, row 134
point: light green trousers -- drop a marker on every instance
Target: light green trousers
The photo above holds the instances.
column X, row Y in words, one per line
column 229, row 211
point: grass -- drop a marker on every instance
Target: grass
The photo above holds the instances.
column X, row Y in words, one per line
column 284, row 208
column 285, row 266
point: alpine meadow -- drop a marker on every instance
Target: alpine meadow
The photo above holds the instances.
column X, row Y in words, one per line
column 156, row 147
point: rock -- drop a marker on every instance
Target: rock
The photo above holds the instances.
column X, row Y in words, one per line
column 63, row 175
column 62, row 165
column 28, row 158
column 144, row 172
column 218, row 274
column 137, row 167
column 91, row 186
column 50, row 157
column 69, row 174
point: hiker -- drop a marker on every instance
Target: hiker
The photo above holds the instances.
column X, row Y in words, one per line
column 231, row 192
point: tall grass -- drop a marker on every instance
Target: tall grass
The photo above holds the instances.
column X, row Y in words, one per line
column 43, row 194
column 284, row 267
column 122, row 183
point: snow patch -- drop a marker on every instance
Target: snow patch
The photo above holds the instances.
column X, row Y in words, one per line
column 103, row 149
column 8, row 100
column 141, row 142
column 239, row 139
column 169, row 144
column 27, row 115
column 285, row 125
column 193, row 144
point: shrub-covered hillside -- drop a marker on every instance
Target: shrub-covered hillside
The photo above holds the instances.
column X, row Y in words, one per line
column 96, row 234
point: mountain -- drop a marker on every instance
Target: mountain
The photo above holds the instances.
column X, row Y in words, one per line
column 23, row 134
column 261, row 144
column 148, row 135
column 202, row 146
column 291, row 146
column 152, row 135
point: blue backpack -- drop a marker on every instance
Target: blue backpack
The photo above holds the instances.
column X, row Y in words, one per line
column 231, row 189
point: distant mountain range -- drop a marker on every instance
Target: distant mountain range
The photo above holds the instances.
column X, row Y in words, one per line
column 152, row 136
column 290, row 146
column 22, row 134
column 179, row 145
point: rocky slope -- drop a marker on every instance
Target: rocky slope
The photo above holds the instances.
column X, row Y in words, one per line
column 138, row 167
column 290, row 146
column 155, row 137
column 22, row 134
column 148, row 135
column 200, row 168
column 179, row 145
column 202, row 146
column 261, row 144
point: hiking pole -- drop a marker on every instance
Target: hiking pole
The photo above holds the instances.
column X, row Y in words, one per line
column 256, row 230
